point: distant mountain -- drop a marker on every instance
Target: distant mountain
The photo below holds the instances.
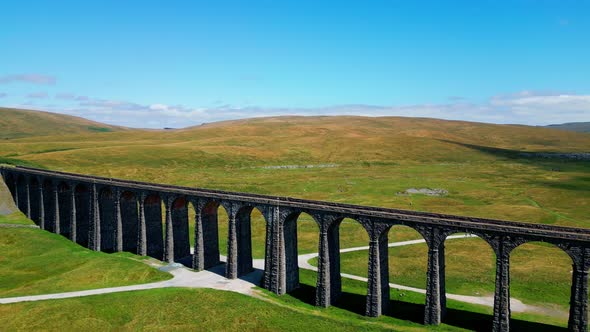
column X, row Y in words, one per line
column 17, row 123
column 581, row 127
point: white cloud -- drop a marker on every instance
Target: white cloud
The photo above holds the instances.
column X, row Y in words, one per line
column 28, row 78
column 524, row 107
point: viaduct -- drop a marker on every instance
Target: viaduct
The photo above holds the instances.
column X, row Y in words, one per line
column 112, row 215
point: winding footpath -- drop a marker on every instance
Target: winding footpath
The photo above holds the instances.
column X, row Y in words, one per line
column 214, row 278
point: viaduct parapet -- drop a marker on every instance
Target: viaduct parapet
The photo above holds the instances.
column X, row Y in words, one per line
column 114, row 215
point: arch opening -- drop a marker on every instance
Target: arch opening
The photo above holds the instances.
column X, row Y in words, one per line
column 153, row 226
column 301, row 236
column 180, row 230
column 108, row 226
column 35, row 198
column 541, row 275
column 65, row 209
column 469, row 268
column 251, row 239
column 82, row 201
column 213, row 235
column 49, row 206
column 129, row 221
column 10, row 184
column 22, row 199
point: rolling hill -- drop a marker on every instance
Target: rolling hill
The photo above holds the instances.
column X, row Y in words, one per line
column 582, row 127
column 17, row 123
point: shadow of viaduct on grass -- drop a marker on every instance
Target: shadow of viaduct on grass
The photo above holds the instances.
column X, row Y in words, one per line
column 413, row 312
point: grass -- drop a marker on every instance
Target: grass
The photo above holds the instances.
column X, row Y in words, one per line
column 174, row 309
column 34, row 261
column 16, row 218
column 479, row 164
column 540, row 273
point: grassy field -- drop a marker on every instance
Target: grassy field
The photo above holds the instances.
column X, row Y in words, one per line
column 33, row 262
column 540, row 274
column 359, row 160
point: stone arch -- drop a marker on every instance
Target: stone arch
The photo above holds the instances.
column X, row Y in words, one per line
column 408, row 261
column 208, row 237
column 180, row 229
column 49, row 205
column 244, row 244
column 8, row 178
column 544, row 270
column 129, row 220
column 35, row 199
column 108, row 224
column 64, row 195
column 82, row 203
column 298, row 225
column 469, row 265
column 152, row 206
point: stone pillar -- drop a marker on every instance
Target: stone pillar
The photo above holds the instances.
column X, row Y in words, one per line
column 244, row 231
column 272, row 264
column 16, row 194
column 329, row 284
column 207, row 241
column 378, row 285
column 169, row 246
column 73, row 217
column 142, row 233
column 435, row 307
column 231, row 266
column 41, row 207
column 180, row 229
column 501, row 320
column 28, row 212
column 578, row 319
column 56, row 219
column 118, row 221
column 199, row 252
column 94, row 221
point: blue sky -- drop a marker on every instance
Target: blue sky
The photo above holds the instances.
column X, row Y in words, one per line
column 179, row 63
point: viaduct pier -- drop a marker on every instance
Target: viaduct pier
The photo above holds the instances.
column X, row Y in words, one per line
column 150, row 219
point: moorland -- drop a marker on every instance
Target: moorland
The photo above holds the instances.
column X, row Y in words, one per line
column 494, row 171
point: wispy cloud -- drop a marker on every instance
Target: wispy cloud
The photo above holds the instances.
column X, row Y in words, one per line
column 38, row 95
column 2, row 94
column 28, row 78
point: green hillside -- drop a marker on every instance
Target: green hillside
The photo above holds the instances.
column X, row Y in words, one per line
column 16, row 123
column 493, row 171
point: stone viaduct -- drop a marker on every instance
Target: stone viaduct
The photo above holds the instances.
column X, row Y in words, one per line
column 112, row 215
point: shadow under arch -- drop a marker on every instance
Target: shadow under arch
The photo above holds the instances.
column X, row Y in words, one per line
column 247, row 249
column 152, row 206
column 10, row 184
column 82, row 202
column 129, row 221
column 301, row 235
column 469, row 268
column 213, row 235
column 108, row 225
column 35, row 199
column 180, row 230
column 64, row 194
column 48, row 206
column 541, row 272
column 21, row 193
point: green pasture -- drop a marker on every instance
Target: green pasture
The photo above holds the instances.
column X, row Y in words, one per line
column 370, row 161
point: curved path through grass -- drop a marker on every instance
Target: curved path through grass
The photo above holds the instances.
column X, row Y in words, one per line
column 184, row 277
